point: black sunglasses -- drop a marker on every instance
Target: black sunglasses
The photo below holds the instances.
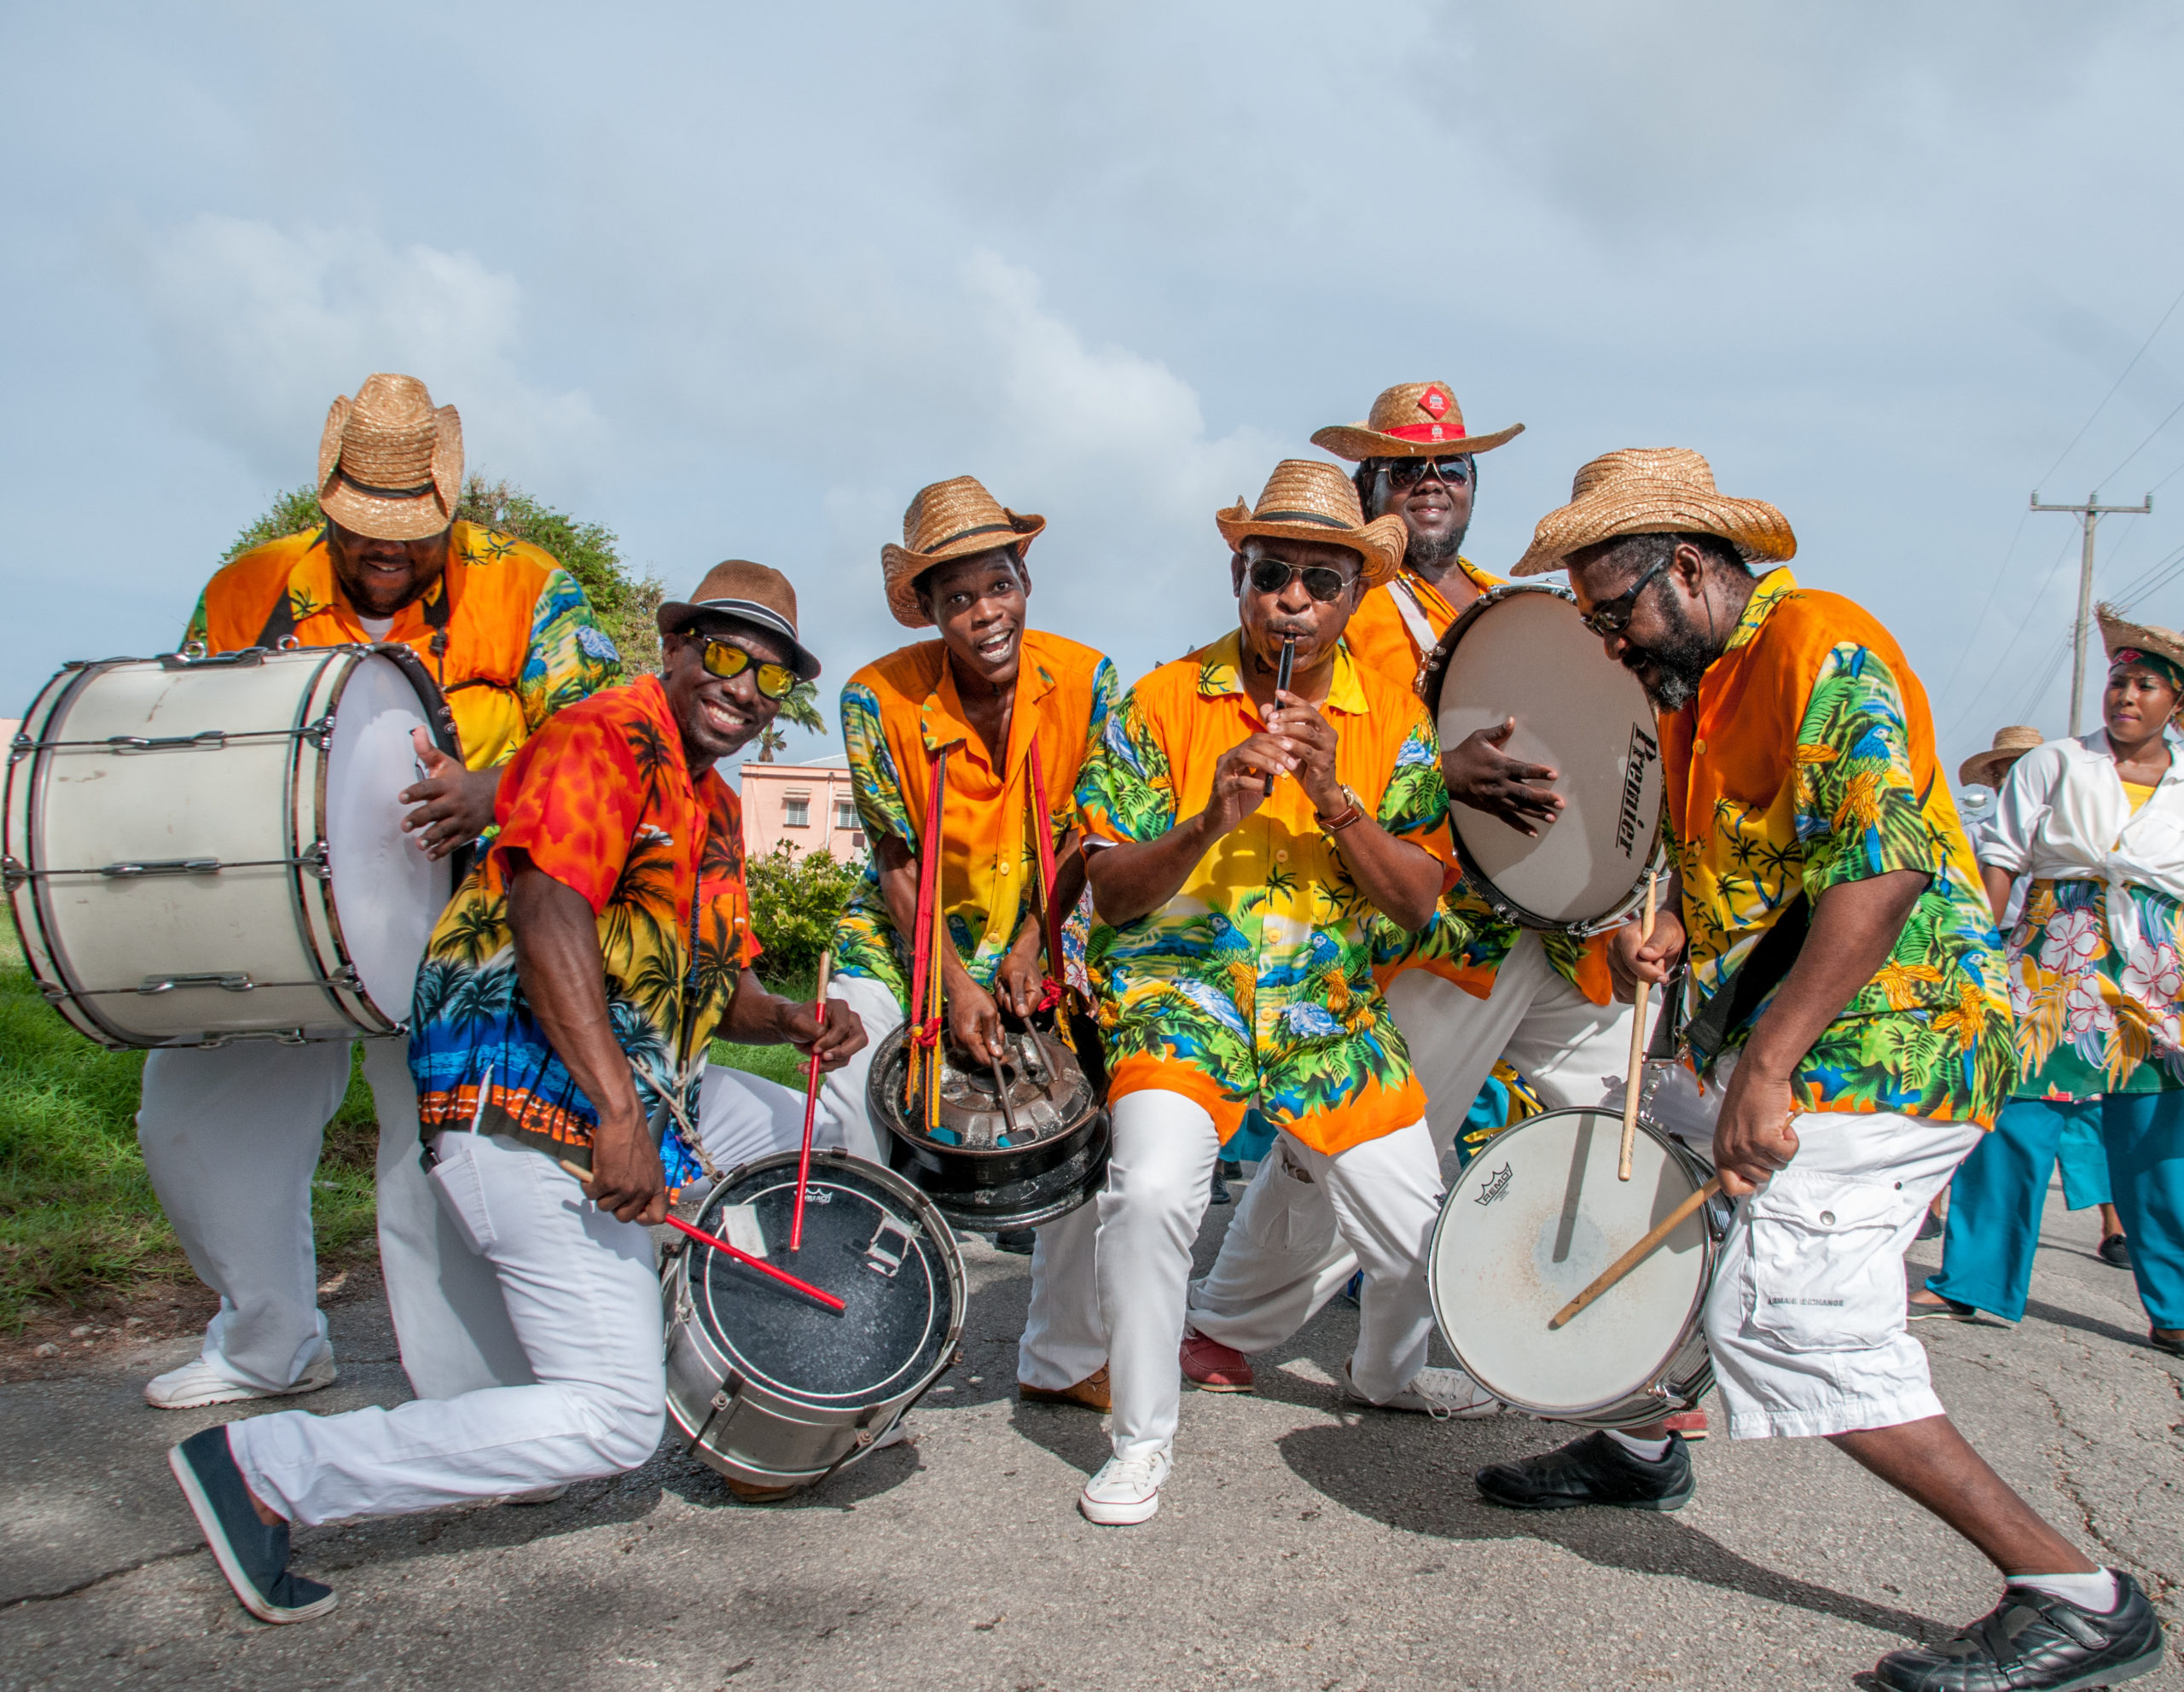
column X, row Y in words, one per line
column 1613, row 617
column 1406, row 472
column 1272, row 575
column 727, row 660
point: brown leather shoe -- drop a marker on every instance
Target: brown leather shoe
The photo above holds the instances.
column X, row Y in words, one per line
column 1212, row 1367
column 1091, row 1392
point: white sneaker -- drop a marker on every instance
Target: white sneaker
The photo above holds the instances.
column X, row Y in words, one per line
column 1441, row 1393
column 1126, row 1491
column 197, row 1383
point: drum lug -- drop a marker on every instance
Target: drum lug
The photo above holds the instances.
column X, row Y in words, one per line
column 194, row 656
column 12, row 873
column 239, row 982
column 314, row 861
column 21, row 747
column 320, row 732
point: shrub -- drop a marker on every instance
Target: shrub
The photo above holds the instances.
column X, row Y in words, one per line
column 797, row 900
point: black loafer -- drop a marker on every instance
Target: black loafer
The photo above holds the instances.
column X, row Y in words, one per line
column 2116, row 1249
column 253, row 1556
column 1016, row 1242
column 1593, row 1470
column 2032, row 1642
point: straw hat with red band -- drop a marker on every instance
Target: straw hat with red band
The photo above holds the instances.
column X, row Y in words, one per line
column 2143, row 644
column 1985, row 768
column 953, row 519
column 390, row 465
column 1654, row 490
column 1309, row 501
column 1411, row 420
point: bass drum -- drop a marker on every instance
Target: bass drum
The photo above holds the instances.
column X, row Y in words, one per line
column 1521, row 651
column 1529, row 1224
column 201, row 849
column 773, row 1391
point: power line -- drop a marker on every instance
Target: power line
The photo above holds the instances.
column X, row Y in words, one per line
column 1971, row 636
column 2048, row 581
column 2111, row 394
column 2143, row 444
column 2088, row 514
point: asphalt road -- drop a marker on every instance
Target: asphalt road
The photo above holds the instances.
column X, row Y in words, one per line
column 1301, row 1544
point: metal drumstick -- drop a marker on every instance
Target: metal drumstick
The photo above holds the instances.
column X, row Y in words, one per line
column 1281, row 686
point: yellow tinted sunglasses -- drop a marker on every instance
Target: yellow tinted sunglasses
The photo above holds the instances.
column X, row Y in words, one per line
column 727, row 660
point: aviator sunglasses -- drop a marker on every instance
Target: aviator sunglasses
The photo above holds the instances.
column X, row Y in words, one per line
column 1613, row 616
column 1408, row 473
column 728, row 662
column 1272, row 575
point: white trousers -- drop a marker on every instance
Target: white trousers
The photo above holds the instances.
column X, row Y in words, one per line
column 231, row 1137
column 843, row 1092
column 742, row 1117
column 1279, row 1265
column 1381, row 1197
column 582, row 1294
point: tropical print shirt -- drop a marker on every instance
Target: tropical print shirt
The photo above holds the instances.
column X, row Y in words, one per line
column 520, row 638
column 603, row 802
column 1464, row 943
column 1807, row 760
column 1254, row 983
column 896, row 714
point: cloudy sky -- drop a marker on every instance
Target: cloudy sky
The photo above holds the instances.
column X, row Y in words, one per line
column 737, row 280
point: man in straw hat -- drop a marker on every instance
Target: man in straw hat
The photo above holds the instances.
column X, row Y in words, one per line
column 1847, row 1013
column 1013, row 710
column 1241, row 841
column 2095, row 827
column 1468, row 990
column 231, row 1135
column 568, row 997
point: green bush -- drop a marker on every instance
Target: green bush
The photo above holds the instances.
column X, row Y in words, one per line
column 797, row 900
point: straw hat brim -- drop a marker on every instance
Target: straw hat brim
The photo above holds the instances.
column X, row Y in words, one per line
column 2114, row 632
column 1380, row 543
column 900, row 568
column 1758, row 530
column 1357, row 442
column 1982, row 768
column 419, row 517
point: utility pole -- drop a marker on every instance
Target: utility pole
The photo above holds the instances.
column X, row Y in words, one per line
column 2089, row 515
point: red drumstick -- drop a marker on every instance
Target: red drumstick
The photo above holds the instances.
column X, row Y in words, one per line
column 758, row 1264
column 810, row 1110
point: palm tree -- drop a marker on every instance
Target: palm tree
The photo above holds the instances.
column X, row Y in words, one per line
column 800, row 710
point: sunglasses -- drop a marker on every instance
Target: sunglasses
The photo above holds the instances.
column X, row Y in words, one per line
column 1272, row 575
column 1409, row 473
column 1613, row 616
column 728, row 662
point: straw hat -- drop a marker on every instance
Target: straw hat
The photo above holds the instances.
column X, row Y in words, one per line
column 2117, row 635
column 389, row 465
column 750, row 593
column 1985, row 768
column 953, row 519
column 1308, row 501
column 1654, row 490
column 1411, row 420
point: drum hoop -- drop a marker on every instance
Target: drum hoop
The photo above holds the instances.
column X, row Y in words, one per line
column 1710, row 1244
column 1432, row 674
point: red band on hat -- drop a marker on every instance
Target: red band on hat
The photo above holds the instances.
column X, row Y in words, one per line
column 1426, row 432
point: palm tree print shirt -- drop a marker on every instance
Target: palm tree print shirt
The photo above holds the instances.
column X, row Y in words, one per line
column 603, row 802
column 1807, row 760
column 1254, row 983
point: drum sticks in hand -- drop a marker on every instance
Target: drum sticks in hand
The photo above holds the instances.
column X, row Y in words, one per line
column 1637, row 1048
column 1638, row 1254
column 810, row 1105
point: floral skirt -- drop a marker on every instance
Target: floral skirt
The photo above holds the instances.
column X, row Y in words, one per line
column 2092, row 1020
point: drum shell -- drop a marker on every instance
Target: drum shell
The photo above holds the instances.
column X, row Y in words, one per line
column 753, row 1431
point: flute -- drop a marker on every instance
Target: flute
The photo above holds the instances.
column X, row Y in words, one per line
column 1281, row 686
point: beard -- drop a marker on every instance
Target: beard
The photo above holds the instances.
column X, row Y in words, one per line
column 1433, row 557
column 1680, row 659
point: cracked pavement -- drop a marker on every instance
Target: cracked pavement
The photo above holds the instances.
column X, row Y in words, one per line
column 1300, row 1545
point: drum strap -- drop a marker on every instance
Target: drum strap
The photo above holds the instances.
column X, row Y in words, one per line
column 1413, row 613
column 1734, row 1002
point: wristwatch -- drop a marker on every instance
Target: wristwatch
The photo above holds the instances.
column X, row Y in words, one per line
column 1353, row 811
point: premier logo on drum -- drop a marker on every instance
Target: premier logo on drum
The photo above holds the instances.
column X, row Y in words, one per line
column 1644, row 749
column 1495, row 1185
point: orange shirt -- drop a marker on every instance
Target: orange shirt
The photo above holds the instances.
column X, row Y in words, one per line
column 1379, row 635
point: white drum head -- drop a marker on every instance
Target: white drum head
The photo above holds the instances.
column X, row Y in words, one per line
column 1523, row 653
column 1534, row 1217
column 387, row 894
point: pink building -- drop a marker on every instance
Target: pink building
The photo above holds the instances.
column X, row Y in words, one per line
column 809, row 806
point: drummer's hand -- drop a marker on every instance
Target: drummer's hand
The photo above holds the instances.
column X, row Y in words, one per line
column 626, row 1176
column 975, row 1020
column 1019, row 983
column 455, row 806
column 834, row 1042
column 1240, row 781
column 1480, row 775
column 1316, row 741
column 1752, row 1137
column 1631, row 960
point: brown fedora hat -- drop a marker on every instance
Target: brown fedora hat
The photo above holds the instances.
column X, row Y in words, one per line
column 1309, row 501
column 1654, row 490
column 749, row 593
column 953, row 519
column 390, row 465
column 2010, row 744
column 1411, row 420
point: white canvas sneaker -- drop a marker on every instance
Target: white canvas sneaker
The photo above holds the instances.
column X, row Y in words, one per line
column 1441, row 1393
column 1126, row 1491
column 197, row 1383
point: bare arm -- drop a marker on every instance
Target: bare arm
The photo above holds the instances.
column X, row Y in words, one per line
column 1632, row 957
column 1998, row 883
column 759, row 1017
column 1132, row 879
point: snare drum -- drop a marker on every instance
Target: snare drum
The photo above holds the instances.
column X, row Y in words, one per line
column 1522, row 651
column 776, row 1392
column 1529, row 1224
column 201, row 849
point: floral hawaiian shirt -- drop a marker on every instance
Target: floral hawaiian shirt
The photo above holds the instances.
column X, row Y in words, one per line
column 1807, row 760
column 1254, row 983
column 603, row 802
column 507, row 632
column 897, row 713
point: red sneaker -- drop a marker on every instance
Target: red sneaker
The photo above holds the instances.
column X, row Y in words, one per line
column 1692, row 1424
column 1212, row 1367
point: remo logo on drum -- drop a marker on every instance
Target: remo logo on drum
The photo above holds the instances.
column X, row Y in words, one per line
column 1495, row 1185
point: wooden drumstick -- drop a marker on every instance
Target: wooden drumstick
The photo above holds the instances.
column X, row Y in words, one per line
column 810, row 1108
column 1637, row 1254
column 1637, row 1050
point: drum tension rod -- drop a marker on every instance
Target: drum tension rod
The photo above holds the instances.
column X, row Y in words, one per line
column 312, row 861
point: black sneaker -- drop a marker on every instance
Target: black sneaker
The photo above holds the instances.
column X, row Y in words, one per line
column 1016, row 1242
column 2032, row 1642
column 1930, row 1227
column 253, row 1556
column 1593, row 1470
column 2116, row 1249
